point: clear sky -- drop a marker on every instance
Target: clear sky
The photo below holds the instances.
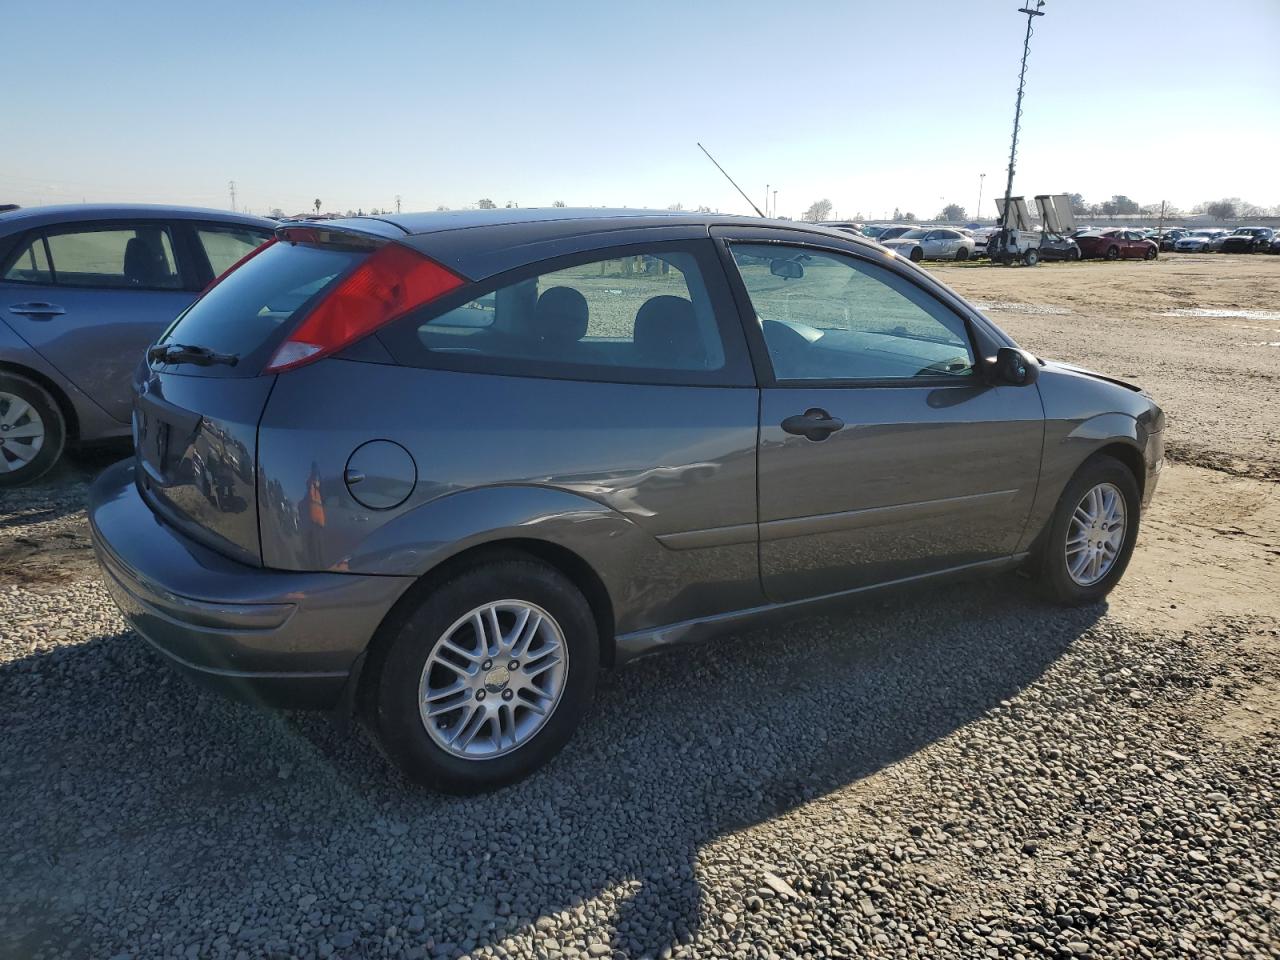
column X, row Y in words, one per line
column 875, row 105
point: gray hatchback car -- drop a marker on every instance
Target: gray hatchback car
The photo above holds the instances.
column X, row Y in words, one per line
column 84, row 289
column 437, row 469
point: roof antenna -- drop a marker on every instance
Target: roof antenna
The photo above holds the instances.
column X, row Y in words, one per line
column 730, row 179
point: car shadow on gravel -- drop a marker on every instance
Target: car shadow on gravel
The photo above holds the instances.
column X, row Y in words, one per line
column 141, row 805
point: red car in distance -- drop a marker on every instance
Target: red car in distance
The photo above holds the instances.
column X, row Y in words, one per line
column 1114, row 244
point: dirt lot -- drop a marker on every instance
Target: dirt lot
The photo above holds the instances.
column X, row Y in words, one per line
column 966, row 773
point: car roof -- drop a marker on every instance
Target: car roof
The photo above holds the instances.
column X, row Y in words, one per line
column 26, row 217
column 481, row 243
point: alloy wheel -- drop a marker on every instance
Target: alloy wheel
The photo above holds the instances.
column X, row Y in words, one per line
column 493, row 679
column 22, row 432
column 1096, row 534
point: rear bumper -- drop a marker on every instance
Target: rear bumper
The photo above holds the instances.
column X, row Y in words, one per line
column 279, row 638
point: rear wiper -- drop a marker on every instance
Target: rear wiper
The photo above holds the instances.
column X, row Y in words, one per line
column 182, row 353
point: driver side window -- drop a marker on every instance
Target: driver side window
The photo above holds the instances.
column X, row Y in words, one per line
column 830, row 317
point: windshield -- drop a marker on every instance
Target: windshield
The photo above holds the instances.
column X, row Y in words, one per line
column 913, row 235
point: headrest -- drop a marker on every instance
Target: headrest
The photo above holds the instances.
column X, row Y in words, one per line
column 560, row 315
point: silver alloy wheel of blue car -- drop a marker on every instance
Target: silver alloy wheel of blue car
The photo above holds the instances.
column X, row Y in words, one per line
column 1096, row 534
column 22, row 432
column 493, row 679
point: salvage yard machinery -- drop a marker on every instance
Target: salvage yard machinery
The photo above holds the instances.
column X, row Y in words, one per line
column 1017, row 238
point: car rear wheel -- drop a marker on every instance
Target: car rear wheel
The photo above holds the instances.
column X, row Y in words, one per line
column 483, row 678
column 962, row 253
column 1151, row 253
column 32, row 431
column 1090, row 538
column 1031, row 257
column 916, row 254
column 1113, row 253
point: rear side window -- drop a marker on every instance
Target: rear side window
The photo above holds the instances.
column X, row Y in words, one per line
column 249, row 312
column 131, row 258
column 227, row 245
column 648, row 317
column 31, row 265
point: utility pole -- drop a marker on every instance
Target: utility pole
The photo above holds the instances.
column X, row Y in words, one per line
column 1160, row 230
column 397, row 203
column 775, row 204
column 231, row 184
column 1032, row 10
column 977, row 212
column 766, row 199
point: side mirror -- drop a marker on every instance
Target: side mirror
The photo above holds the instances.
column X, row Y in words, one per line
column 1015, row 368
column 786, row 269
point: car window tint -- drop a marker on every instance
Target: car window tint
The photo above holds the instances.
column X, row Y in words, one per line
column 133, row 257
column 225, row 246
column 31, row 265
column 829, row 317
column 646, row 311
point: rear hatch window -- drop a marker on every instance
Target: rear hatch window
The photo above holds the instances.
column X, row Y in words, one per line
column 248, row 318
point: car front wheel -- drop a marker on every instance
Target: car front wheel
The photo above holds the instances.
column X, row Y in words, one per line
column 1087, row 545
column 916, row 254
column 1151, row 253
column 1113, row 253
column 484, row 677
column 32, row 431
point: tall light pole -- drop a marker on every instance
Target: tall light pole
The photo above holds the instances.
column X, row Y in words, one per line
column 977, row 212
column 1032, row 10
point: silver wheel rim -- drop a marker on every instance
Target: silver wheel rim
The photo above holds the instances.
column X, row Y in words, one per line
column 493, row 679
column 1096, row 534
column 21, row 433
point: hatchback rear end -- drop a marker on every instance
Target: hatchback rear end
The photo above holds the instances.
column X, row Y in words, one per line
column 177, row 528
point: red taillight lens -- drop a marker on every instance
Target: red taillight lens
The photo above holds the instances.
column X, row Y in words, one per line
column 238, row 264
column 392, row 281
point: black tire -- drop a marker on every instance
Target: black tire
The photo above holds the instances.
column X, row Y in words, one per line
column 404, row 644
column 962, row 253
column 916, row 254
column 1151, row 253
column 1113, row 253
column 1051, row 564
column 1031, row 257
column 42, row 409
column 1073, row 255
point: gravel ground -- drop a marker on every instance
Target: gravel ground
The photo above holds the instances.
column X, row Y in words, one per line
column 966, row 773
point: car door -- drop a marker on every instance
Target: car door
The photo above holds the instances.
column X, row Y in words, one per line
column 884, row 454
column 934, row 244
column 90, row 297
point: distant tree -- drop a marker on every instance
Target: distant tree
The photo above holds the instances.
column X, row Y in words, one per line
column 442, row 207
column 818, row 210
column 1246, row 209
column 486, row 204
column 897, row 214
column 360, row 211
column 511, row 205
column 677, row 207
column 277, row 213
column 1221, row 209
column 1077, row 203
column 858, row 216
column 952, row 212
column 908, row 217
column 317, row 204
column 558, row 203
column 1120, row 205
column 703, row 210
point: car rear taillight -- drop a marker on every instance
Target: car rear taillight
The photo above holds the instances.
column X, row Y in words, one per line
column 390, row 282
column 237, row 265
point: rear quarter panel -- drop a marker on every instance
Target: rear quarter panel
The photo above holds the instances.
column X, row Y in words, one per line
column 652, row 486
